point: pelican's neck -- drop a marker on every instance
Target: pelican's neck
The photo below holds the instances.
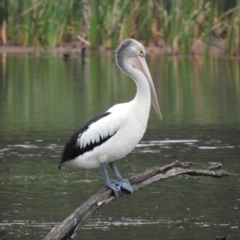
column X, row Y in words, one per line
column 142, row 99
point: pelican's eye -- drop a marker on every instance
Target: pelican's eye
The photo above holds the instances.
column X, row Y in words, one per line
column 141, row 53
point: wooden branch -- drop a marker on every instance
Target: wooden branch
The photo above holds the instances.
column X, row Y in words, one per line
column 3, row 234
column 71, row 225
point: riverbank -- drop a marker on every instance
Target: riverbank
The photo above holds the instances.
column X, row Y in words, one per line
column 198, row 48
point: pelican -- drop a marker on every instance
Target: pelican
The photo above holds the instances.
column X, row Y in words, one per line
column 114, row 134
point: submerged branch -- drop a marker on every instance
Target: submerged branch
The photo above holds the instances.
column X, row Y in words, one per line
column 71, row 225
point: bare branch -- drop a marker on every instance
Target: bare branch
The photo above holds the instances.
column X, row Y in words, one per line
column 71, row 225
column 3, row 234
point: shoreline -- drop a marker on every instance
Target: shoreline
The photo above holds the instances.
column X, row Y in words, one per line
column 216, row 49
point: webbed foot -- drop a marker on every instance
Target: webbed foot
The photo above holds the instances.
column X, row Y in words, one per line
column 116, row 188
column 125, row 184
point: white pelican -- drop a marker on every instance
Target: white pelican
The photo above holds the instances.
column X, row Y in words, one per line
column 115, row 133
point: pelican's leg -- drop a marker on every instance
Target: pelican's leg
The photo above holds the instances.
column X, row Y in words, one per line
column 120, row 181
column 116, row 189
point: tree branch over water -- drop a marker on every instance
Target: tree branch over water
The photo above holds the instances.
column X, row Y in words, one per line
column 72, row 224
column 3, row 234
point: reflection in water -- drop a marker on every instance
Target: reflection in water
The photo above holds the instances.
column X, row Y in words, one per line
column 44, row 99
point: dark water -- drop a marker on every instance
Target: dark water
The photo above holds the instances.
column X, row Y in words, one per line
column 43, row 100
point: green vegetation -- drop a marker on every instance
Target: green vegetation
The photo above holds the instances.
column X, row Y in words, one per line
column 180, row 26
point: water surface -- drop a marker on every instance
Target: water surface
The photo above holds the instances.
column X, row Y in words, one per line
column 44, row 99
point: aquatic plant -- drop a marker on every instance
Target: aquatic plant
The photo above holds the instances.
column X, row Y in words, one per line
column 181, row 26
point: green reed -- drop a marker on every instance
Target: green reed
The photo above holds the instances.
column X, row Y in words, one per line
column 39, row 22
column 180, row 24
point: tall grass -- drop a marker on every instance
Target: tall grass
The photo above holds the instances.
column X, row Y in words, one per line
column 179, row 24
column 40, row 22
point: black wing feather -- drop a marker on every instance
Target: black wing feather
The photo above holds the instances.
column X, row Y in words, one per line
column 71, row 150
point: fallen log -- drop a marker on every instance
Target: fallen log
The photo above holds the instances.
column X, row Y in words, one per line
column 72, row 224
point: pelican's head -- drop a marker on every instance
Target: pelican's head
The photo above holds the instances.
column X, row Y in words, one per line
column 127, row 50
column 131, row 54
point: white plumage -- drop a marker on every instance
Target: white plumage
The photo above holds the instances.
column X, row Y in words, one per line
column 114, row 134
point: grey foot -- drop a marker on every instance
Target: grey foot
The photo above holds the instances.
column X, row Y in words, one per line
column 125, row 184
column 116, row 189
